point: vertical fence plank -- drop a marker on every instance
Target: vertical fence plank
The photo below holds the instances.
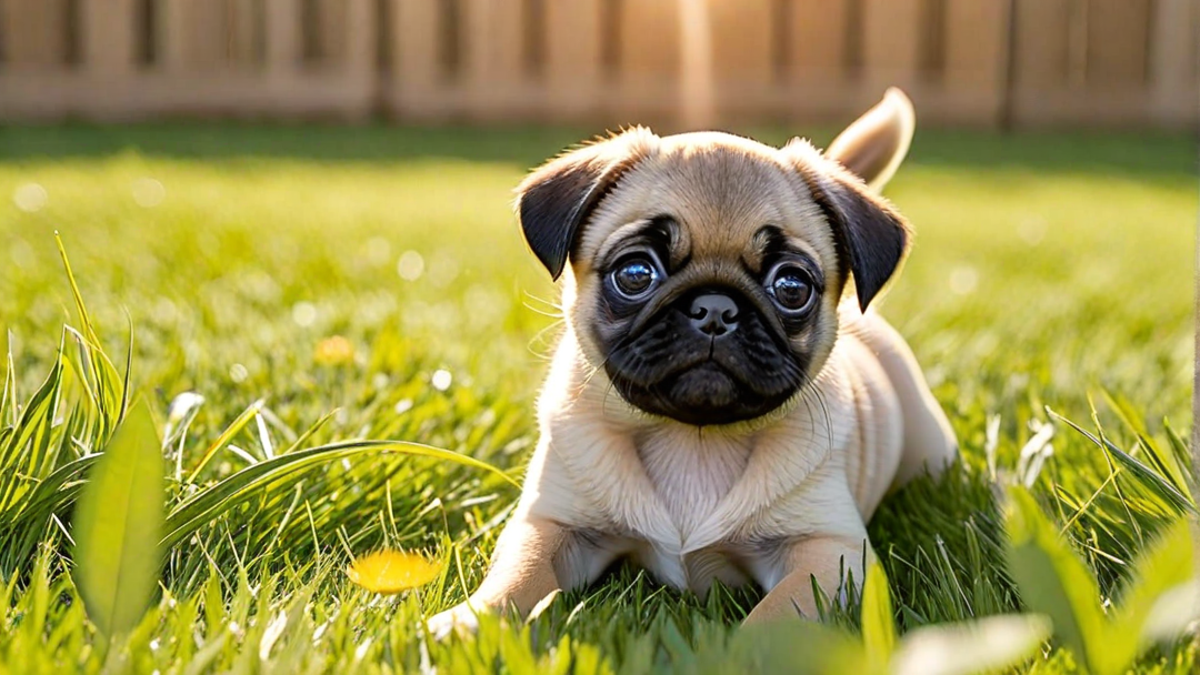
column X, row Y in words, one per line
column 492, row 49
column 976, row 58
column 492, row 32
column 648, row 53
column 35, row 32
column 415, row 32
column 817, row 48
column 359, row 37
column 741, row 41
column 244, row 32
column 206, row 34
column 106, row 36
column 329, row 31
column 171, row 34
column 1042, row 46
column 282, row 47
column 1116, row 43
column 573, row 68
column 1173, row 63
column 416, row 74
column 890, row 38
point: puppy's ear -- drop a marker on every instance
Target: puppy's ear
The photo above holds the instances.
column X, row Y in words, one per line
column 875, row 144
column 871, row 237
column 556, row 199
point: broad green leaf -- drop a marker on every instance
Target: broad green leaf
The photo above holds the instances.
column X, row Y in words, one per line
column 118, row 524
column 989, row 644
column 878, row 625
column 798, row 647
column 1051, row 578
column 1162, row 567
column 1172, row 613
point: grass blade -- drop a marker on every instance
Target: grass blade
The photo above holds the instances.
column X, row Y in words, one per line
column 32, row 430
column 205, row 506
column 117, row 527
column 226, row 436
column 1159, row 486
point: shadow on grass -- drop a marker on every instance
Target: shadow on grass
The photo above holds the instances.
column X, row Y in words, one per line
column 1147, row 155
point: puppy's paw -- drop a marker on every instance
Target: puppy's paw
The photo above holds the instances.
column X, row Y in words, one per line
column 460, row 619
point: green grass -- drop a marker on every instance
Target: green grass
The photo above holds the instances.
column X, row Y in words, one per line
column 1047, row 271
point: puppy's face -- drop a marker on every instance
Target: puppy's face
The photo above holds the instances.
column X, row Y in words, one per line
column 706, row 269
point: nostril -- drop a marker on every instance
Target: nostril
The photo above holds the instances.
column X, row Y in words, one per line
column 713, row 313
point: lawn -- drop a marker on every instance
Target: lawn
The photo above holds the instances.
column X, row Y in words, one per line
column 318, row 284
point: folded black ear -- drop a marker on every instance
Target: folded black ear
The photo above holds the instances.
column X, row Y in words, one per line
column 556, row 199
column 871, row 236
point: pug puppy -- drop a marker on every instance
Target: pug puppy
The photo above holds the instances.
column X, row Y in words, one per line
column 720, row 405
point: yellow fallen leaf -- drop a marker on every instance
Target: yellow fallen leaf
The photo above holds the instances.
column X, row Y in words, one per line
column 392, row 571
column 334, row 351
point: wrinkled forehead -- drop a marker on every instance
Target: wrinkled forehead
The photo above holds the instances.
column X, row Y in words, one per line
column 721, row 194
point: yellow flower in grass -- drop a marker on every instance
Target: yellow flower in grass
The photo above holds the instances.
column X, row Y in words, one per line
column 334, row 351
column 390, row 572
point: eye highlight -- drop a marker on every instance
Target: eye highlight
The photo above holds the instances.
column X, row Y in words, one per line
column 636, row 275
column 791, row 287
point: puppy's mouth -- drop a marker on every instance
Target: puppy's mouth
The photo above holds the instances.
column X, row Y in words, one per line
column 706, row 394
column 703, row 376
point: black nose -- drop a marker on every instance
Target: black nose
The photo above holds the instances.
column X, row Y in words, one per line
column 714, row 314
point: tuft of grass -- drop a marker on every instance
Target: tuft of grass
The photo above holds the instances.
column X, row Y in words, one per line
column 302, row 294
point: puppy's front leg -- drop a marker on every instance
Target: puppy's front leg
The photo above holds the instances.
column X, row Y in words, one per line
column 521, row 574
column 823, row 557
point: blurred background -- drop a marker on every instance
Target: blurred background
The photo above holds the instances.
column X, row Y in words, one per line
column 980, row 63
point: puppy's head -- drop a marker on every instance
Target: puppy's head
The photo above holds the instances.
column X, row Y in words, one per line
column 706, row 269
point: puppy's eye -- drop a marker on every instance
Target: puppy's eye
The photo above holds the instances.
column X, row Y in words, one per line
column 635, row 276
column 791, row 287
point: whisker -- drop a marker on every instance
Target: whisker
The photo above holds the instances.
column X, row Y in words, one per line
column 540, row 337
column 555, row 311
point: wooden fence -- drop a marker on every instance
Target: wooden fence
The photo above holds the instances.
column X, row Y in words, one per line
column 971, row 62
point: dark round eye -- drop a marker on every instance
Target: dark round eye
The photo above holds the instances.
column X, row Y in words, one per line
column 791, row 286
column 635, row 276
